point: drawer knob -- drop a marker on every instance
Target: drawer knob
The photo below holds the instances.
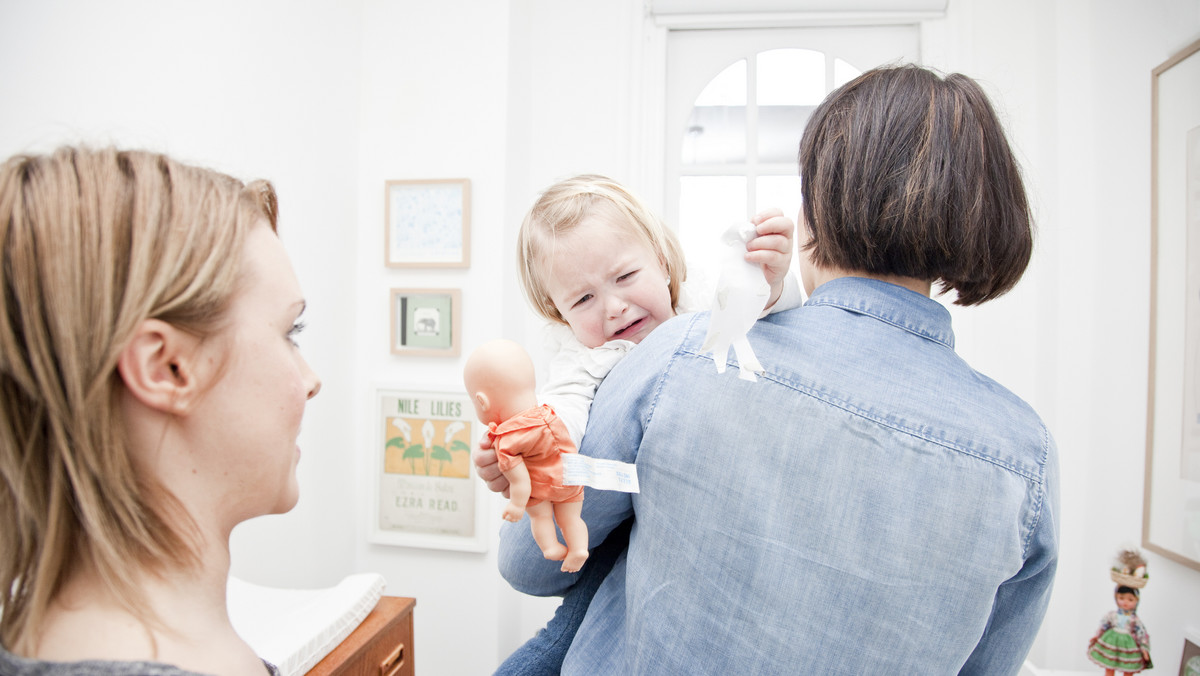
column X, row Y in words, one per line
column 390, row 666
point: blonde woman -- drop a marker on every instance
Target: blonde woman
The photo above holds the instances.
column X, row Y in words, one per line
column 150, row 398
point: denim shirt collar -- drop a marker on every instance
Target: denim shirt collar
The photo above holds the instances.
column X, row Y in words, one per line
column 895, row 305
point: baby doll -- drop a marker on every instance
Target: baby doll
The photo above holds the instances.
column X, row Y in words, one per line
column 1122, row 642
column 529, row 440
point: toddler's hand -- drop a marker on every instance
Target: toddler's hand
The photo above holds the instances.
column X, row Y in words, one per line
column 772, row 249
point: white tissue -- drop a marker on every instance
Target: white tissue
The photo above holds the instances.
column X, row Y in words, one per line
column 742, row 293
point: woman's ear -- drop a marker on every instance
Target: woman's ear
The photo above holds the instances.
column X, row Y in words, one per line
column 158, row 366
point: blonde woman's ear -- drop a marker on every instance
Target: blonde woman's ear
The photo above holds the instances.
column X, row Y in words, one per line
column 157, row 366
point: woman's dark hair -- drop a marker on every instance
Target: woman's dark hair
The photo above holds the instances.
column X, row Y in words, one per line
column 906, row 173
column 1127, row 590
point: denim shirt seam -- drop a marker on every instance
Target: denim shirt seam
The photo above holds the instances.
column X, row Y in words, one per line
column 1040, row 497
column 862, row 413
column 925, row 333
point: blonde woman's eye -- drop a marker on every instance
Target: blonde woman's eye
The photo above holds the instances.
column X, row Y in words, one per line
column 583, row 300
column 626, row 276
column 295, row 331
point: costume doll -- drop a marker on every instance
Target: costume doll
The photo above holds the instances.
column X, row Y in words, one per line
column 1122, row 642
column 529, row 441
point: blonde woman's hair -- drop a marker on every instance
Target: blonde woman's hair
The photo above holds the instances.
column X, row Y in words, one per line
column 563, row 206
column 92, row 243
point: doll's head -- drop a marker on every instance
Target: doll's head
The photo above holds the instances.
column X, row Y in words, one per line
column 1127, row 598
column 500, row 380
column 593, row 257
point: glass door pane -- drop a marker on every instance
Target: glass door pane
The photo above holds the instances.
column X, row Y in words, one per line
column 716, row 129
column 708, row 206
column 736, row 105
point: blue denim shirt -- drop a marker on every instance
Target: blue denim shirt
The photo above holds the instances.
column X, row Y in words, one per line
column 871, row 505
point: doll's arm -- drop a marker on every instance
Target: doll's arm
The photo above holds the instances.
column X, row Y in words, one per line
column 1140, row 635
column 519, row 488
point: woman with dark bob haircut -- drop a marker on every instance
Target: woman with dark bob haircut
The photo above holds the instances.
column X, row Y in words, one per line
column 871, row 504
column 908, row 174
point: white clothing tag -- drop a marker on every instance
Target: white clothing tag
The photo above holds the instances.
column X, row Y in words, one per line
column 606, row 475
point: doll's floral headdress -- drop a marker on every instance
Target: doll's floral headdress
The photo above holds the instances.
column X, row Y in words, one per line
column 1129, row 569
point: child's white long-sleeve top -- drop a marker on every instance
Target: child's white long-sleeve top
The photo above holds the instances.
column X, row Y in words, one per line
column 576, row 371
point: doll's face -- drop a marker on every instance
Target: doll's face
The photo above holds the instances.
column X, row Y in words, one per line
column 1127, row 602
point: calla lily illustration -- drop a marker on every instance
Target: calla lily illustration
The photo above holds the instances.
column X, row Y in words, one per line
column 410, row 450
column 453, row 429
column 405, row 429
column 456, row 445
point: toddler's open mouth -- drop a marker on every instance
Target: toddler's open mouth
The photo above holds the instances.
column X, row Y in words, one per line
column 629, row 328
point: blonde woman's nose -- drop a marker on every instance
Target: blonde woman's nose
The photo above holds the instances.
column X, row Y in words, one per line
column 313, row 379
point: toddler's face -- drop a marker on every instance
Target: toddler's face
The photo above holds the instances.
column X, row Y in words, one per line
column 606, row 284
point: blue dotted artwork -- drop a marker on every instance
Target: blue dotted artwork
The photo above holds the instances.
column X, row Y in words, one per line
column 425, row 222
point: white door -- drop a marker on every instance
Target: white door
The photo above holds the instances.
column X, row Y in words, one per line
column 736, row 104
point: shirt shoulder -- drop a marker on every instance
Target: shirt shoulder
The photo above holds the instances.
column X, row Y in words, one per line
column 12, row 665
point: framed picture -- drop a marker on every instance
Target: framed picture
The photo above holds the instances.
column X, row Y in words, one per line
column 1171, row 516
column 426, row 322
column 1189, row 662
column 426, row 492
column 428, row 223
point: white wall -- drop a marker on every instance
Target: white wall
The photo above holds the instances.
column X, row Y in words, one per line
column 432, row 105
column 330, row 99
column 1077, row 98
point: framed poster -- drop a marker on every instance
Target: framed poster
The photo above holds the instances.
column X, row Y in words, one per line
column 1189, row 662
column 1171, row 515
column 426, row 322
column 426, row 492
column 428, row 223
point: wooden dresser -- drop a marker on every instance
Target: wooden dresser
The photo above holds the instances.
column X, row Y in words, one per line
column 381, row 646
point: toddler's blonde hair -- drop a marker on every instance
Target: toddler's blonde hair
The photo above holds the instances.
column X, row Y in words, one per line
column 562, row 206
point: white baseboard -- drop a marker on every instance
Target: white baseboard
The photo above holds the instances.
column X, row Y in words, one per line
column 1029, row 669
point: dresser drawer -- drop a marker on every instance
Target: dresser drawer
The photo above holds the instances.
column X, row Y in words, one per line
column 381, row 646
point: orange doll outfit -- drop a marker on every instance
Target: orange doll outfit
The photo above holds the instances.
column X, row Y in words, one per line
column 536, row 437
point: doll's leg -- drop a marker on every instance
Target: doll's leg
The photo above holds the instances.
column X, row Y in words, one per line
column 574, row 531
column 541, row 520
column 519, row 489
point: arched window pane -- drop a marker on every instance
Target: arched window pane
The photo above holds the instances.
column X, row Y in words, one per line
column 708, row 205
column 779, row 191
column 779, row 132
column 728, row 88
column 790, row 77
column 843, row 73
column 716, row 129
column 791, row 82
